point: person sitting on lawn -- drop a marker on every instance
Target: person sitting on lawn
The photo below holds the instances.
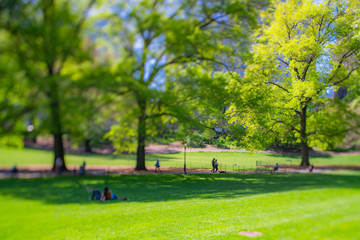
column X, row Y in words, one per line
column 95, row 193
column 276, row 167
column 106, row 195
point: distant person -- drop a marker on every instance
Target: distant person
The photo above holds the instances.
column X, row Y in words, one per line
column 58, row 165
column 13, row 170
column 213, row 165
column 82, row 169
column 311, row 168
column 157, row 165
column 216, row 165
column 276, row 167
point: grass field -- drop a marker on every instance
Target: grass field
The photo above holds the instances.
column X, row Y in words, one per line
column 209, row 206
column 26, row 157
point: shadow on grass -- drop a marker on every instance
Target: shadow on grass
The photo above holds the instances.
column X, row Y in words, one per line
column 153, row 188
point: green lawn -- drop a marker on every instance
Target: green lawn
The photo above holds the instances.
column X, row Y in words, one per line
column 26, row 157
column 209, row 206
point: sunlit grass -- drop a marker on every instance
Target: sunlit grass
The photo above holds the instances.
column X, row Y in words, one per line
column 291, row 206
column 227, row 160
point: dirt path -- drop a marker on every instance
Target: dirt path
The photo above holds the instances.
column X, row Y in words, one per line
column 45, row 171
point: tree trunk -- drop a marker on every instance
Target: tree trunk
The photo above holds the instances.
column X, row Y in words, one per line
column 87, row 146
column 140, row 153
column 303, row 135
column 56, row 127
column 59, row 150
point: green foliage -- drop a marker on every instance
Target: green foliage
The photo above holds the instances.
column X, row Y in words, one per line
column 44, row 40
column 123, row 137
column 222, row 143
column 14, row 89
column 302, row 50
column 11, row 140
column 165, row 57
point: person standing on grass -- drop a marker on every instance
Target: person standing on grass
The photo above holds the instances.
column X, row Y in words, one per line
column 13, row 170
column 213, row 165
column 58, row 165
column 276, row 167
column 82, row 169
column 216, row 165
column 157, row 165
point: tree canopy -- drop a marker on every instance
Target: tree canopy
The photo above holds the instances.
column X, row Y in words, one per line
column 45, row 38
column 302, row 52
column 153, row 36
column 265, row 72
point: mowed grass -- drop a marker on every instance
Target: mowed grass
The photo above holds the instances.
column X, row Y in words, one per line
column 208, row 206
column 27, row 157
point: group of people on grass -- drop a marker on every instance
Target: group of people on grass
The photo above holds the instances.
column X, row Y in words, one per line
column 106, row 195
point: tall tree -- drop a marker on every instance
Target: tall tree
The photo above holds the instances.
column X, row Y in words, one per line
column 47, row 36
column 14, row 89
column 303, row 50
column 150, row 36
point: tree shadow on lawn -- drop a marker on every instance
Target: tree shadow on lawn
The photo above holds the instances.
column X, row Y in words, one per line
column 153, row 188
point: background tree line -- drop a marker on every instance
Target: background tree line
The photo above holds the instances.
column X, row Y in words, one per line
column 260, row 70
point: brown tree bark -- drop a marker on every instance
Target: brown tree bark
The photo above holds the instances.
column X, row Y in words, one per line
column 59, row 150
column 87, row 146
column 303, row 136
column 56, row 127
column 140, row 153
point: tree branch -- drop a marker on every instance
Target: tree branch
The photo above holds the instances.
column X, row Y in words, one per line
column 160, row 115
column 346, row 77
column 280, row 121
column 297, row 73
column 307, row 67
column 287, row 64
column 281, row 87
column 345, row 56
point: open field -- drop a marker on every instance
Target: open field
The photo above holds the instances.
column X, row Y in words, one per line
column 216, row 206
column 28, row 157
